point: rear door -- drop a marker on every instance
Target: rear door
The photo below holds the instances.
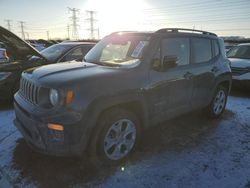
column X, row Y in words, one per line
column 204, row 57
column 171, row 90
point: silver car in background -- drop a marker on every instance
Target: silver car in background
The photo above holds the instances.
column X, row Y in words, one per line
column 240, row 64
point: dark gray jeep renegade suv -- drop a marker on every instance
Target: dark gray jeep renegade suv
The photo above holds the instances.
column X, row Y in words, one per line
column 128, row 82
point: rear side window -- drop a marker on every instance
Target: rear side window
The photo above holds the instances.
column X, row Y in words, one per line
column 201, row 50
column 176, row 47
column 216, row 48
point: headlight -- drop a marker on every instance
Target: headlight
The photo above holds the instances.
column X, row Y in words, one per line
column 4, row 75
column 54, row 97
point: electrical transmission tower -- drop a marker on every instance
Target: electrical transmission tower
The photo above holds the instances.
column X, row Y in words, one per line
column 47, row 32
column 22, row 29
column 92, row 21
column 8, row 23
column 75, row 20
column 68, row 31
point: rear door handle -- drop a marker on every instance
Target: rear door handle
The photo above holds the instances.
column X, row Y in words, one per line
column 188, row 75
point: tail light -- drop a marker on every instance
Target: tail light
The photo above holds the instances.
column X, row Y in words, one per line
column 5, row 54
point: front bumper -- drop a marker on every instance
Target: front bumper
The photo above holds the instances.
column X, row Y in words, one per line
column 42, row 139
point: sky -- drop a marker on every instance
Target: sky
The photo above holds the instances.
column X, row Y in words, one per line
column 49, row 18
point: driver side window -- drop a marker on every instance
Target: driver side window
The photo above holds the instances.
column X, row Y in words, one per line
column 178, row 47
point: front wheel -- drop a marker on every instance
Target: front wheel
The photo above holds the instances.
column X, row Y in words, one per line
column 218, row 104
column 116, row 137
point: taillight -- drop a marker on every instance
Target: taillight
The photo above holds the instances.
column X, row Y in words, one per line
column 5, row 53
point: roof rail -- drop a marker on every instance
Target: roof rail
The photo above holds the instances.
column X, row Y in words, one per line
column 164, row 30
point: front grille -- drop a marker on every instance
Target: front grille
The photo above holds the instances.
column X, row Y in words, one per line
column 238, row 71
column 29, row 90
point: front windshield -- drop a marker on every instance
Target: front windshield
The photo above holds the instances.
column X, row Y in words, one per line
column 53, row 52
column 118, row 49
column 242, row 51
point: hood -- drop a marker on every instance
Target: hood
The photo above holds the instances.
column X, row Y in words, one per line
column 60, row 74
column 20, row 46
column 239, row 63
column 59, row 68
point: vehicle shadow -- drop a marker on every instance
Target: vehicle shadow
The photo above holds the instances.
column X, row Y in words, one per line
column 186, row 132
column 6, row 105
column 240, row 92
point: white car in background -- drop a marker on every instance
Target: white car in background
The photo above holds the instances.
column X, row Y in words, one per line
column 240, row 64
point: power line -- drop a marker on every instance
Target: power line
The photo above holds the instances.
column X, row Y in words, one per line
column 22, row 29
column 209, row 4
column 8, row 23
column 92, row 21
column 75, row 20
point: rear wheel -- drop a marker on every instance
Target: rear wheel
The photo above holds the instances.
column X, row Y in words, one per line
column 218, row 104
column 116, row 137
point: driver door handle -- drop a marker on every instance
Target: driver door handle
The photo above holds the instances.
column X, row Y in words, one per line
column 188, row 75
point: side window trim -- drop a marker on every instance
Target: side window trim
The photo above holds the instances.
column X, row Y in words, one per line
column 215, row 42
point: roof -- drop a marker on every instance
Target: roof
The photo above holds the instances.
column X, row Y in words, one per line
column 76, row 43
column 171, row 31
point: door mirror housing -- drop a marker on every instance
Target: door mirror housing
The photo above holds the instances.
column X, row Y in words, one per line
column 169, row 61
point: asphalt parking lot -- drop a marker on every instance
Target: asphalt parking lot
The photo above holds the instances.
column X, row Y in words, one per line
column 190, row 151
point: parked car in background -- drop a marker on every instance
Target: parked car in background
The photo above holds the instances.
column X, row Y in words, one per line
column 128, row 82
column 41, row 44
column 3, row 56
column 228, row 47
column 39, row 47
column 240, row 65
column 22, row 55
column 67, row 51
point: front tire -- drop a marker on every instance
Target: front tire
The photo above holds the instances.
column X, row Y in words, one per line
column 218, row 104
column 116, row 136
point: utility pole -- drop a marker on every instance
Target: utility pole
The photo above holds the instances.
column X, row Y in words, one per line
column 68, row 32
column 22, row 29
column 91, row 21
column 47, row 34
column 8, row 22
column 98, row 33
column 27, row 35
column 75, row 20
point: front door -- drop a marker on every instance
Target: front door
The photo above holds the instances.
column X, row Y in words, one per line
column 171, row 90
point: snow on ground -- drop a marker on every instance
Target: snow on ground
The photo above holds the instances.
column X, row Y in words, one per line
column 190, row 151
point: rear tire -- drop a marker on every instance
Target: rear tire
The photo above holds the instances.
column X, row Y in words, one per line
column 218, row 103
column 116, row 136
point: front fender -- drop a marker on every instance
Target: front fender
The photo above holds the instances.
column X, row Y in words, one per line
column 99, row 105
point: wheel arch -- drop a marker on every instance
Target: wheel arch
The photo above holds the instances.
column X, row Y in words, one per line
column 133, row 103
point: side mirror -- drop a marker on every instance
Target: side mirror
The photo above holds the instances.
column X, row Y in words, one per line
column 169, row 62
